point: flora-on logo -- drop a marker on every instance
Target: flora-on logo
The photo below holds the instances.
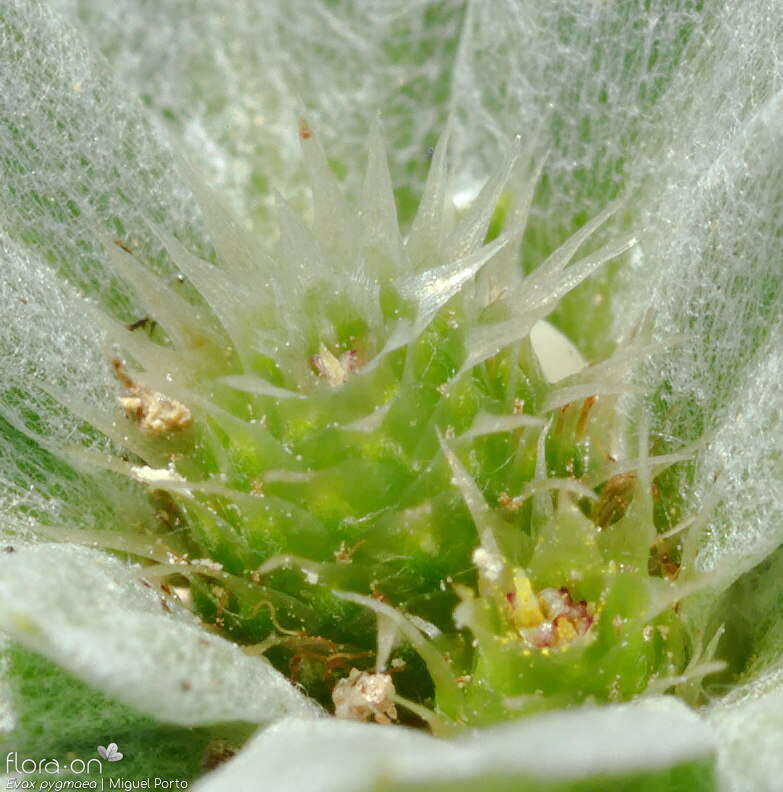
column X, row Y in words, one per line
column 15, row 766
column 110, row 752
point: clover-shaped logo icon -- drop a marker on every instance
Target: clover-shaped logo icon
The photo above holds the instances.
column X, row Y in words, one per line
column 110, row 752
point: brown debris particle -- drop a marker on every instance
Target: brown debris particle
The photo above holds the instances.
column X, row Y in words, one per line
column 216, row 753
column 122, row 246
column 581, row 426
column 615, row 499
column 155, row 413
column 144, row 322
column 363, row 696
column 508, row 503
column 305, row 132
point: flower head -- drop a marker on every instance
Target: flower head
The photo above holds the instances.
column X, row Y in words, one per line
column 345, row 448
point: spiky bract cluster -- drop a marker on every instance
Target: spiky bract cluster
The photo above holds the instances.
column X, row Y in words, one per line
column 357, row 421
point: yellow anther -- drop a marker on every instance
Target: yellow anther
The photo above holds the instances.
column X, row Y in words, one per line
column 526, row 611
column 565, row 631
